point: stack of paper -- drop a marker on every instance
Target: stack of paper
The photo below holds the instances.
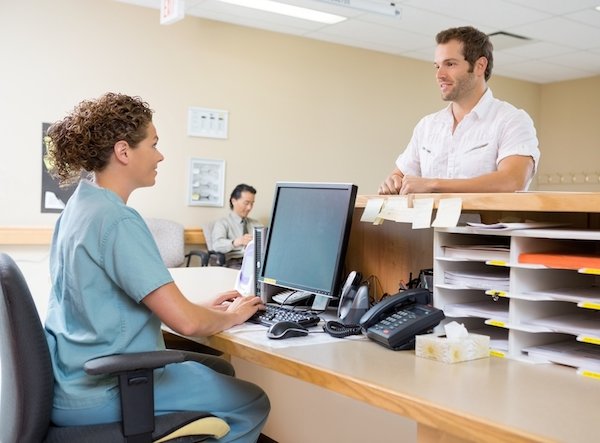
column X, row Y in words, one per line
column 478, row 252
column 580, row 323
column 570, row 353
column 589, row 294
column 483, row 309
column 513, row 226
column 489, row 278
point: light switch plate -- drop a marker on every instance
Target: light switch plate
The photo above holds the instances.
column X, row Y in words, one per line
column 205, row 122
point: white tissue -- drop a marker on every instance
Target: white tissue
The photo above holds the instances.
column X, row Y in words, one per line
column 455, row 331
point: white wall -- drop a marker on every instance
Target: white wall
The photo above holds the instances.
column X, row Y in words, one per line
column 299, row 109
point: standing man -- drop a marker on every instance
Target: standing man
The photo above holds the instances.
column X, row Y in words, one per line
column 231, row 234
column 477, row 143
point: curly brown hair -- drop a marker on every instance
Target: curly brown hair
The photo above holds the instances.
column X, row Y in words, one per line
column 475, row 44
column 84, row 140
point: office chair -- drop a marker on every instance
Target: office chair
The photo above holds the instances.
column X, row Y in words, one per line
column 214, row 258
column 169, row 237
column 28, row 383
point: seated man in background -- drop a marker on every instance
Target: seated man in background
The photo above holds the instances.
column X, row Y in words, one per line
column 231, row 234
column 477, row 143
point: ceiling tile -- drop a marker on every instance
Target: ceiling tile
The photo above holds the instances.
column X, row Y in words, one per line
column 542, row 71
column 562, row 31
column 588, row 16
column 584, row 60
column 358, row 30
column 565, row 34
column 537, row 49
column 557, row 7
column 497, row 14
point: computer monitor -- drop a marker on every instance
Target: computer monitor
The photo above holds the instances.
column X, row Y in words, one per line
column 308, row 237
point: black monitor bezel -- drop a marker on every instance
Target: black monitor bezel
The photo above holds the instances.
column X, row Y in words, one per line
column 333, row 290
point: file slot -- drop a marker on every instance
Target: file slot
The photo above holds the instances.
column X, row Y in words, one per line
column 569, row 353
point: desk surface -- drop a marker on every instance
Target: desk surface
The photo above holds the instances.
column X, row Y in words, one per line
column 487, row 400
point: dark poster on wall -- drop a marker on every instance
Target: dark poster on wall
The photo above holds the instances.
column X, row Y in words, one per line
column 54, row 198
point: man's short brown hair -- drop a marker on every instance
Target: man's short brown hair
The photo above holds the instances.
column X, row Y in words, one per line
column 475, row 44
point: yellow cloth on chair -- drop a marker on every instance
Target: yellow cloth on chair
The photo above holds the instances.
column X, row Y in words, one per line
column 213, row 426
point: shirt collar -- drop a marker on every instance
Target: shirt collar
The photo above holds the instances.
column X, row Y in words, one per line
column 236, row 217
column 483, row 106
column 480, row 110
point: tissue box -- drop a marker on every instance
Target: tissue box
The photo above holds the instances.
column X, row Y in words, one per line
column 439, row 347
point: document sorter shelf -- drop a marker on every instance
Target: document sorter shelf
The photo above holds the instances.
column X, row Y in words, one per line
column 540, row 310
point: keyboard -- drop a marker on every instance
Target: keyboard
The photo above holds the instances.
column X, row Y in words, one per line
column 275, row 313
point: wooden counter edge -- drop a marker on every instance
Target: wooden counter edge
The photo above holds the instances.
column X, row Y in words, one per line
column 512, row 201
column 43, row 236
column 433, row 419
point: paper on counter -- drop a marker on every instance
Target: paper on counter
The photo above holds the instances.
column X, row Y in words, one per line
column 371, row 212
column 423, row 208
column 396, row 209
column 448, row 213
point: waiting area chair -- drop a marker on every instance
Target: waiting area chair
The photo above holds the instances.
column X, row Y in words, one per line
column 214, row 258
column 169, row 237
column 28, row 383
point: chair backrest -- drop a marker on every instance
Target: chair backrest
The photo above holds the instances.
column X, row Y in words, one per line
column 27, row 378
column 169, row 237
column 207, row 228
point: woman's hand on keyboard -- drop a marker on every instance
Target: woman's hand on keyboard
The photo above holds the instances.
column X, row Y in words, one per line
column 222, row 301
column 245, row 307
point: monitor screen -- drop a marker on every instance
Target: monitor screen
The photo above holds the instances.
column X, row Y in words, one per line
column 308, row 236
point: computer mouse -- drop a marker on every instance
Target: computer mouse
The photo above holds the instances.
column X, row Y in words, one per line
column 286, row 329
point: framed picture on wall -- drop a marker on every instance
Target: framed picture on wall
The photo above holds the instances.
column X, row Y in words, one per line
column 206, row 182
column 54, row 197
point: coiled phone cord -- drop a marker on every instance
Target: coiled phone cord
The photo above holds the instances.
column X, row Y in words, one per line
column 339, row 330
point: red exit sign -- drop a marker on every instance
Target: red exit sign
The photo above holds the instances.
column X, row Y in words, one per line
column 171, row 11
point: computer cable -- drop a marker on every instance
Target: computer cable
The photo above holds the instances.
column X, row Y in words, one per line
column 340, row 330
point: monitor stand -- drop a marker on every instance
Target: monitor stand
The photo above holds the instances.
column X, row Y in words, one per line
column 320, row 303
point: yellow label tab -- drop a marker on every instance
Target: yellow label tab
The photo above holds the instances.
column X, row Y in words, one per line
column 496, row 263
column 493, row 322
column 590, row 374
column 496, row 293
column 592, row 340
column 589, row 305
column 270, row 281
column 589, row 271
column 495, row 353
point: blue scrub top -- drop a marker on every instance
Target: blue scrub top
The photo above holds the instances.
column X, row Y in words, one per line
column 103, row 262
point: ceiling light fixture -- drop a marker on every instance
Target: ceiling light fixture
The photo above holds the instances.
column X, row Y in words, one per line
column 289, row 10
column 388, row 8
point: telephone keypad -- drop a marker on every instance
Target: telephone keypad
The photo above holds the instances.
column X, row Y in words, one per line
column 395, row 321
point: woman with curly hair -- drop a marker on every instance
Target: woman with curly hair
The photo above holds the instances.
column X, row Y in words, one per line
column 110, row 288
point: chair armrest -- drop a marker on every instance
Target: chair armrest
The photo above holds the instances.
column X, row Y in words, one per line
column 219, row 256
column 136, row 385
column 112, row 364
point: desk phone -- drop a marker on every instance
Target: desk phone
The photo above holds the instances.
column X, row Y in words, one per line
column 395, row 321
